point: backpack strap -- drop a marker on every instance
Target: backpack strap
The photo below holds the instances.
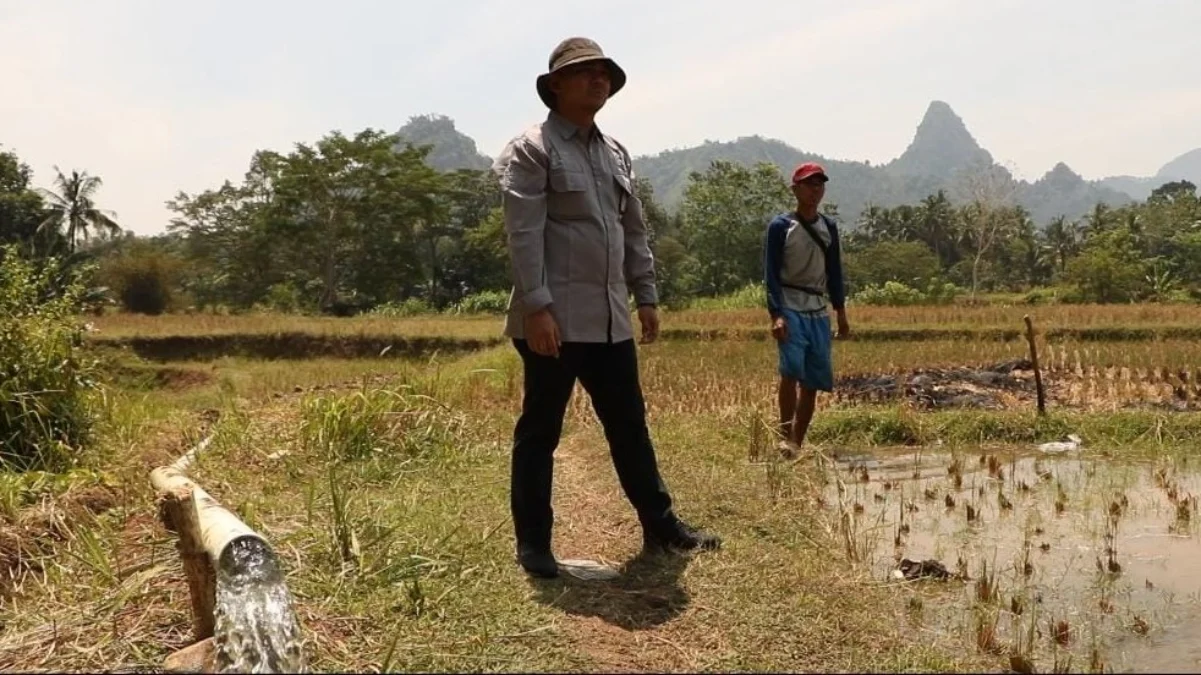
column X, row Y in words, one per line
column 623, row 200
column 825, row 248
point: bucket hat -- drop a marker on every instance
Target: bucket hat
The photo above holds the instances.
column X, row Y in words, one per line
column 570, row 52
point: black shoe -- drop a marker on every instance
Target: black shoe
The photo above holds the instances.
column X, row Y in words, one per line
column 679, row 535
column 537, row 561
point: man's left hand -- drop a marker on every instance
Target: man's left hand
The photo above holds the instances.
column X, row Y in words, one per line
column 844, row 327
column 648, row 316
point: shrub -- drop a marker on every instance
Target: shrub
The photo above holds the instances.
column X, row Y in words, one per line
column 484, row 302
column 750, row 296
column 892, row 293
column 144, row 279
column 943, row 293
column 409, row 307
column 379, row 422
column 897, row 294
column 283, row 297
column 45, row 380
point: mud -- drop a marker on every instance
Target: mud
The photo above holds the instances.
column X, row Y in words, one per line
column 1111, row 549
column 994, row 387
column 1000, row 386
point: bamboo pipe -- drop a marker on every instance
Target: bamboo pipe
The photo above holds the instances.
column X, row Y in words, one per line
column 204, row 528
column 217, row 526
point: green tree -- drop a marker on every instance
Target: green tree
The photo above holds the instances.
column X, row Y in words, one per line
column 1063, row 239
column 935, row 225
column 725, row 215
column 674, row 266
column 21, row 207
column 1109, row 269
column 231, row 251
column 460, row 259
column 350, row 205
column 484, row 257
column 909, row 262
column 339, row 222
column 72, row 209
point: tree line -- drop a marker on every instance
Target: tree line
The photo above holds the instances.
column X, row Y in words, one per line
column 363, row 223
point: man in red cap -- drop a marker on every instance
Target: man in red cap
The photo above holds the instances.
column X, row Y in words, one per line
column 578, row 245
column 802, row 268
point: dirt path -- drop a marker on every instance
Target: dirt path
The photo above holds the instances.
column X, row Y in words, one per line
column 777, row 596
column 630, row 624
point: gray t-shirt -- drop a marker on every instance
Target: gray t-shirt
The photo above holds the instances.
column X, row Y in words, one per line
column 804, row 265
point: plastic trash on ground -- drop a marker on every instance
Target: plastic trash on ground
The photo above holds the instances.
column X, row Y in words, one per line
column 1073, row 443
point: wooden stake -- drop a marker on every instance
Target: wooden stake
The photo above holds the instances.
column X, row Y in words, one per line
column 178, row 511
column 200, row 657
column 1038, row 377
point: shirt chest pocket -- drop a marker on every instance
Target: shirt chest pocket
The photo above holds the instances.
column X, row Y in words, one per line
column 568, row 197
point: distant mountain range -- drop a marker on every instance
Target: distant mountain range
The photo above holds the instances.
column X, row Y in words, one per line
column 942, row 148
column 1185, row 167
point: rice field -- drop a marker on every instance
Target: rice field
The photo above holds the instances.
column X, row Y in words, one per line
column 953, row 317
column 381, row 478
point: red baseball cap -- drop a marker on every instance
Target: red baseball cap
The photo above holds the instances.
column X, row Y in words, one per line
column 808, row 169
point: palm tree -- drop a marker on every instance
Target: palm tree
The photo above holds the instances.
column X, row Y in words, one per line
column 1063, row 238
column 73, row 209
column 1099, row 220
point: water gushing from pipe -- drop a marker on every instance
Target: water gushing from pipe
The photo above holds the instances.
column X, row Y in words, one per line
column 256, row 630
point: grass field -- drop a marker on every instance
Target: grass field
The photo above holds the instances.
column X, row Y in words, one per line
column 410, row 457
column 1119, row 318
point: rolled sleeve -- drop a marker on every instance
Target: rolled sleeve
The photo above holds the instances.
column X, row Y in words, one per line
column 639, row 261
column 521, row 168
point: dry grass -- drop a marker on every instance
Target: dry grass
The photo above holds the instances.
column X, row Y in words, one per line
column 434, row 585
column 1051, row 318
column 430, row 583
column 122, row 325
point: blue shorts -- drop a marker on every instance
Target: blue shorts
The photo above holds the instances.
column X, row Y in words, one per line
column 805, row 355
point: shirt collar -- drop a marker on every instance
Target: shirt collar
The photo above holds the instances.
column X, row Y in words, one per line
column 566, row 128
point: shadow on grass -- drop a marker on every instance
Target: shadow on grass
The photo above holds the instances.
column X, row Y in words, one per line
column 647, row 592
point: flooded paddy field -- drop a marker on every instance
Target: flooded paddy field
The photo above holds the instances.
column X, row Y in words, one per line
column 1061, row 560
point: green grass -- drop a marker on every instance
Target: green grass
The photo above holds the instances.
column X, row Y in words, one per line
column 383, row 486
column 1133, row 318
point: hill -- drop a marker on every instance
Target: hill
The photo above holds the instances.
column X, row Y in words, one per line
column 941, row 150
column 451, row 150
column 1185, row 167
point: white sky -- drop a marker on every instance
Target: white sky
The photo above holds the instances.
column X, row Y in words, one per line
column 157, row 97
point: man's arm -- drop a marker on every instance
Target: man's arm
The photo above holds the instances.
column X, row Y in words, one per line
column 773, row 255
column 521, row 167
column 639, row 261
column 834, row 276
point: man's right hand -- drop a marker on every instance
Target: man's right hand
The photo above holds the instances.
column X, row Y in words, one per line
column 542, row 333
column 779, row 329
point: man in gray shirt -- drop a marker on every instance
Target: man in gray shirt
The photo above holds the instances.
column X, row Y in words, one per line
column 578, row 245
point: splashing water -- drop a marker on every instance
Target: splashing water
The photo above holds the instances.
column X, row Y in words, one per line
column 256, row 631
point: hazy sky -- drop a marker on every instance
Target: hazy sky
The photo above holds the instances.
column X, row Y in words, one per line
column 159, row 96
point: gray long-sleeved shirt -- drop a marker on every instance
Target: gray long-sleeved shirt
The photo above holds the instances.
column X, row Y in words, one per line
column 576, row 232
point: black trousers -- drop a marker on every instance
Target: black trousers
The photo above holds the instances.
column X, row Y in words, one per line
column 609, row 374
